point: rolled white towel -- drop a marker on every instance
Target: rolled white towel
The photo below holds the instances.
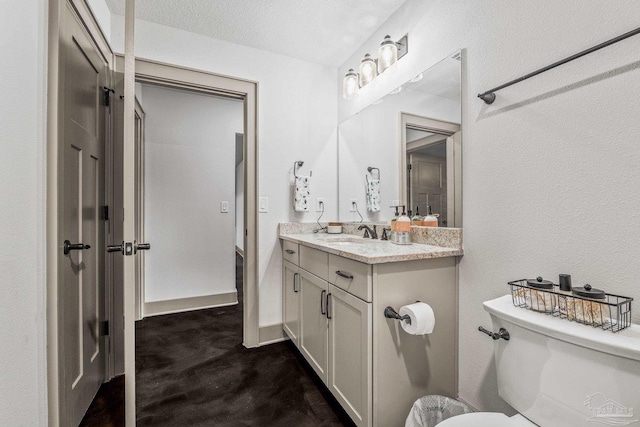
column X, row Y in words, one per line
column 301, row 193
column 373, row 195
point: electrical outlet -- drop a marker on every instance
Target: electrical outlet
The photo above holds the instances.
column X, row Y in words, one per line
column 320, row 205
column 353, row 205
column 224, row 207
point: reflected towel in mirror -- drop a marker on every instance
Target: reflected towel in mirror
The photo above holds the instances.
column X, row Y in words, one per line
column 301, row 193
column 373, row 195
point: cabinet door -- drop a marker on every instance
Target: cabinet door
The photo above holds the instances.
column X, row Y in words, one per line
column 291, row 301
column 313, row 326
column 350, row 354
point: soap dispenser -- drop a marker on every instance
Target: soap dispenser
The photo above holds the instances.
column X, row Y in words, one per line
column 430, row 220
column 416, row 219
column 394, row 219
column 403, row 224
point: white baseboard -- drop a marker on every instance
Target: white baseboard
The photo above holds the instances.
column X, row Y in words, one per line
column 157, row 308
column 271, row 334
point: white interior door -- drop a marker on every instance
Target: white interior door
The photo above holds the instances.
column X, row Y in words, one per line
column 80, row 256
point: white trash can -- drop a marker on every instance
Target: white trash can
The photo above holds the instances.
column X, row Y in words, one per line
column 430, row 410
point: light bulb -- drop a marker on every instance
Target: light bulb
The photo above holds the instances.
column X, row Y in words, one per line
column 368, row 70
column 387, row 54
column 350, row 85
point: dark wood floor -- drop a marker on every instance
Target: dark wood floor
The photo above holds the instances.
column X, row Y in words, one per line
column 192, row 370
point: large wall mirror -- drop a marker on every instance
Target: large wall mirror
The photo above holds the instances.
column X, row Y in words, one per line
column 408, row 144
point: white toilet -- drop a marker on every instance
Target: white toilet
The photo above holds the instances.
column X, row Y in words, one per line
column 557, row 373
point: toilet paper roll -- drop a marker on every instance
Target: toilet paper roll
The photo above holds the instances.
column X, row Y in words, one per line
column 422, row 318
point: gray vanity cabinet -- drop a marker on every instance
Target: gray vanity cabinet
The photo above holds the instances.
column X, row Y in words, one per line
column 350, row 360
column 371, row 366
column 291, row 301
column 314, row 325
column 334, row 334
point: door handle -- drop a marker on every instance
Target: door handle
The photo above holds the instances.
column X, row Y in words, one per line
column 322, row 310
column 141, row 247
column 68, row 247
column 329, row 306
column 116, row 248
column 296, row 282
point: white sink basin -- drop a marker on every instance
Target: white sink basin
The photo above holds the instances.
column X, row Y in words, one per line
column 344, row 240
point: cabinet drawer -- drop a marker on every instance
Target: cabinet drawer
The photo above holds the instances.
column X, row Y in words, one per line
column 290, row 252
column 315, row 262
column 352, row 276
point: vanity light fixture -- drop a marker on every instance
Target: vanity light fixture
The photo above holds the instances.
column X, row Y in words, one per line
column 350, row 85
column 367, row 70
column 388, row 54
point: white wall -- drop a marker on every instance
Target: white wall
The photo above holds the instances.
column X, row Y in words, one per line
column 189, row 169
column 102, row 14
column 297, row 119
column 551, row 175
column 23, row 386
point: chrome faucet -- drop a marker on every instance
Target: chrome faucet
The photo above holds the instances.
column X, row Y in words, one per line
column 368, row 231
column 385, row 236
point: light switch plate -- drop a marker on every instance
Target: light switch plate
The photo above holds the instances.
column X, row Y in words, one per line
column 263, row 204
column 319, row 204
column 224, row 206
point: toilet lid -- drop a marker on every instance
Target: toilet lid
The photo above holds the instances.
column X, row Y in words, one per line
column 479, row 419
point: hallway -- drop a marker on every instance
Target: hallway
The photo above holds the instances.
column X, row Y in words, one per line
column 192, row 370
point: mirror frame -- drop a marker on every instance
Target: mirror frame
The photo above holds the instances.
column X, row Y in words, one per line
column 454, row 160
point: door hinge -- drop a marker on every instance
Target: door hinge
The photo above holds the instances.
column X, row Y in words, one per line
column 104, row 328
column 105, row 213
column 106, row 91
column 409, row 167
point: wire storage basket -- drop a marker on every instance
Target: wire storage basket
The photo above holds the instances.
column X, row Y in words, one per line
column 612, row 313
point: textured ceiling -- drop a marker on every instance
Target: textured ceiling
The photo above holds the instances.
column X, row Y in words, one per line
column 322, row 31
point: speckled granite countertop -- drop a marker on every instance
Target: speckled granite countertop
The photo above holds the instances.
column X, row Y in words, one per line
column 369, row 251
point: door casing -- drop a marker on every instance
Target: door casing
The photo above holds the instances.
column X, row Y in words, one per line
column 168, row 75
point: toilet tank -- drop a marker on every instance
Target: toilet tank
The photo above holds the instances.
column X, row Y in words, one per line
column 560, row 373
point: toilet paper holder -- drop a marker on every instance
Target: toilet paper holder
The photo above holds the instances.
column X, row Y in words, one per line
column 390, row 313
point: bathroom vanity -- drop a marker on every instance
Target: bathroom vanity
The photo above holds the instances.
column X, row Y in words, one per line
column 335, row 290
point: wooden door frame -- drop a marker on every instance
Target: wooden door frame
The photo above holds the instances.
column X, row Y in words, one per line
column 173, row 76
column 454, row 159
column 139, row 215
column 177, row 77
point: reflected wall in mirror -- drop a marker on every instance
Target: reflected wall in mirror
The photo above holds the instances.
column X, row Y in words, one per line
column 415, row 126
column 110, row 17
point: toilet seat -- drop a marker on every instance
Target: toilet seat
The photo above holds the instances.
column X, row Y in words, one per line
column 486, row 419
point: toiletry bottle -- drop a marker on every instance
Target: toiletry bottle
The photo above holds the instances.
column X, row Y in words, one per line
column 416, row 219
column 403, row 224
column 410, row 216
column 394, row 219
column 430, row 220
